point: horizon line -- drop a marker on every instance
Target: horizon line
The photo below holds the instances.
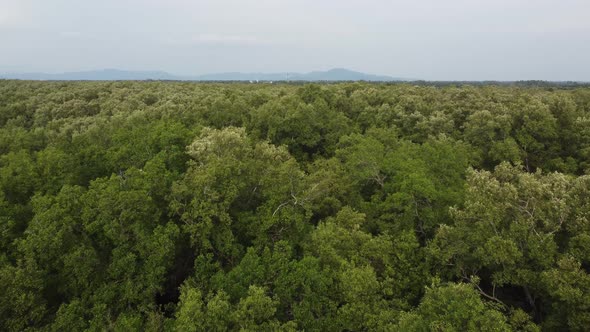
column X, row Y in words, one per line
column 195, row 77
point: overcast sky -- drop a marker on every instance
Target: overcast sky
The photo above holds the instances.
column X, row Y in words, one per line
column 424, row 39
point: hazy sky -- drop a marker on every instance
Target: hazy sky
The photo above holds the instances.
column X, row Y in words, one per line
column 425, row 39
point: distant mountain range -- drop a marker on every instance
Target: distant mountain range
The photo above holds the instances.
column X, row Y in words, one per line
column 337, row 74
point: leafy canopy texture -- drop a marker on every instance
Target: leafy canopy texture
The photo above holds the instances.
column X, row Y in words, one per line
column 176, row 206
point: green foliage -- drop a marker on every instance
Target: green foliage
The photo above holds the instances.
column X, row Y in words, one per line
column 22, row 305
column 238, row 192
column 167, row 206
column 515, row 231
column 454, row 307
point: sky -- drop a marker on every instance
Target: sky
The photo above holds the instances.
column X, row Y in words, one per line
column 421, row 39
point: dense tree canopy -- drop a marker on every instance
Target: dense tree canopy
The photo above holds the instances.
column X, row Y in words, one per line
column 169, row 206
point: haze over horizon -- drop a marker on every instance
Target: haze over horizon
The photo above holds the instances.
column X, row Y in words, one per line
column 425, row 39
